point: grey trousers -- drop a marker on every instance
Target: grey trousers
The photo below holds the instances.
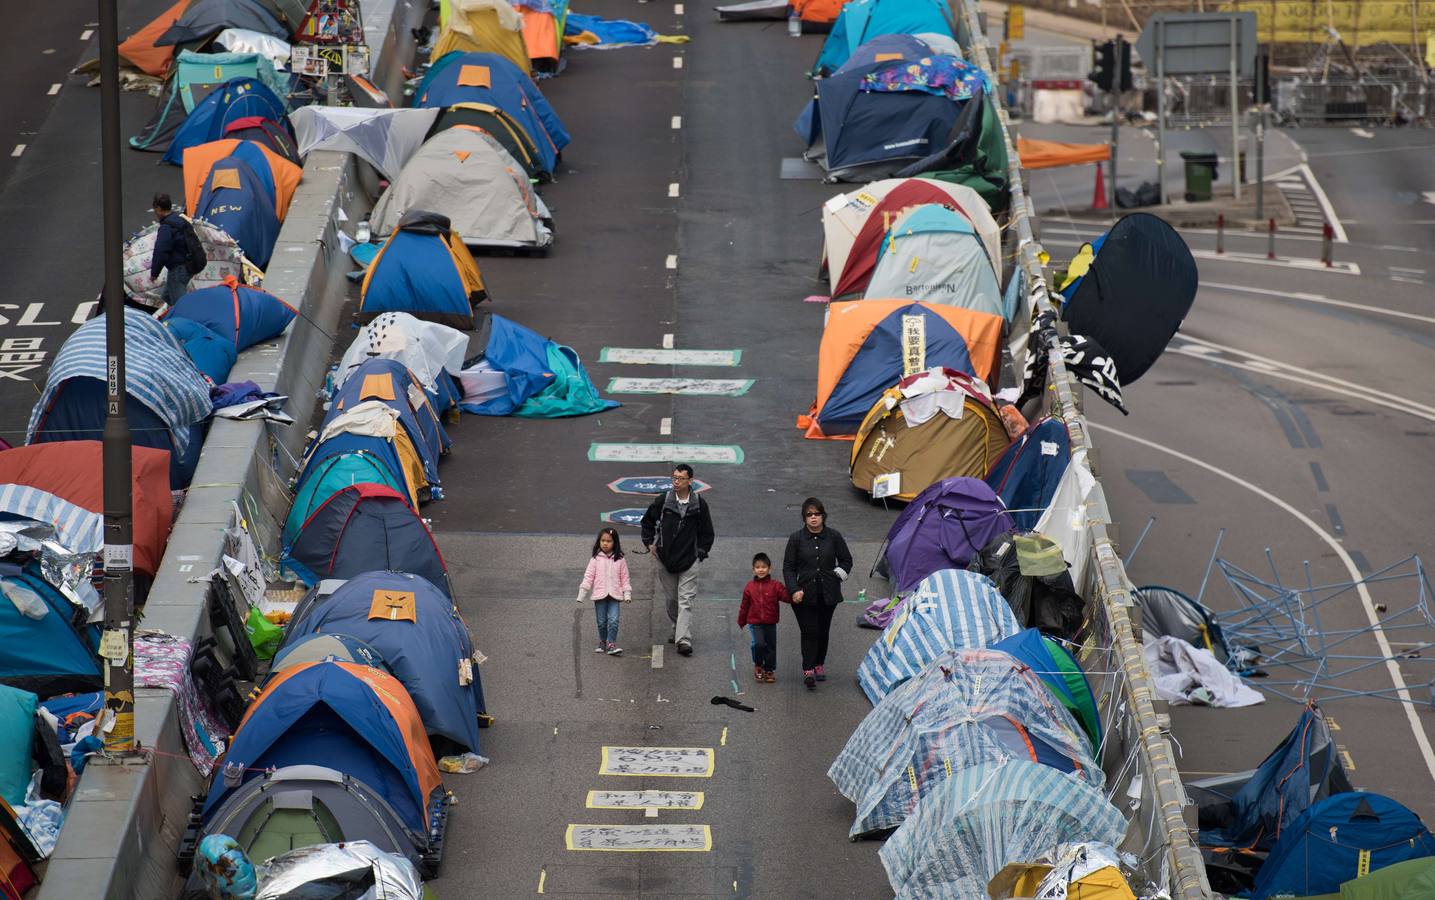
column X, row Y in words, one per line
column 679, row 591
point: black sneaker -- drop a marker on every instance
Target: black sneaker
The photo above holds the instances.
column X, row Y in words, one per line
column 809, row 678
column 685, row 648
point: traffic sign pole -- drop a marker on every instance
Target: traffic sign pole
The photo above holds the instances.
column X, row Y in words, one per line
column 1235, row 114
column 1116, row 86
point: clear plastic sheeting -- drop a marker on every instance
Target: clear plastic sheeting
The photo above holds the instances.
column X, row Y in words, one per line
column 356, row 870
column 426, row 348
column 244, row 40
column 225, row 259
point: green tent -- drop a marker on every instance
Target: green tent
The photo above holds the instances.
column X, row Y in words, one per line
column 333, row 475
column 984, row 161
column 1413, row 879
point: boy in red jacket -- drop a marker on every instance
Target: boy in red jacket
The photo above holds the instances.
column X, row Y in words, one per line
column 759, row 610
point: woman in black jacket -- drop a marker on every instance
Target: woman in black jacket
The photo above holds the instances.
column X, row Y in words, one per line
column 815, row 565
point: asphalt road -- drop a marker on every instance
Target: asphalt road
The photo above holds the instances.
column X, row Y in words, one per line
column 50, row 215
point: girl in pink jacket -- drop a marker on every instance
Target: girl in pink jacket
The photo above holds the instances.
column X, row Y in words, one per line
column 606, row 582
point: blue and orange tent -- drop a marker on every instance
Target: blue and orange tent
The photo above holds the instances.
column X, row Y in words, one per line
column 236, row 199
column 425, row 270
column 363, row 528
column 419, row 634
column 332, row 474
column 862, row 20
column 389, row 382
column 865, row 346
column 240, row 98
column 397, row 454
column 277, row 174
column 343, row 716
column 241, row 315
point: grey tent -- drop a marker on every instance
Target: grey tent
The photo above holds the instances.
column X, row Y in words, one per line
column 206, row 17
column 1168, row 612
column 465, row 174
column 935, row 254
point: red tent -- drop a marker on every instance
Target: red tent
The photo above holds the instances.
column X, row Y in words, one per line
column 71, row 472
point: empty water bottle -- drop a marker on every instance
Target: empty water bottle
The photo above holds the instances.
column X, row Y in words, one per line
column 794, row 24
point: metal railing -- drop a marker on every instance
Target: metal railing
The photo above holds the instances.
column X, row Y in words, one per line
column 1142, row 777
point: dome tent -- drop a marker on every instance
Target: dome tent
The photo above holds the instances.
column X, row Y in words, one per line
column 423, row 269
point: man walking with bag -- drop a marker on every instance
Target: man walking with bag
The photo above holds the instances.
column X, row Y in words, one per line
column 679, row 524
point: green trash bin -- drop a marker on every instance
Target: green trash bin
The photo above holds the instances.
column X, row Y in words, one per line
column 1200, row 173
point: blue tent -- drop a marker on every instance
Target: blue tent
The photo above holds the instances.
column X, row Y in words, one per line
column 320, row 647
column 238, row 99
column 1026, row 475
column 425, row 270
column 235, row 199
column 168, row 399
column 331, row 474
column 421, row 638
column 243, row 315
column 210, row 353
column 522, row 355
column 1338, row 839
column 460, row 77
column 1058, row 669
column 17, row 735
column 54, row 654
column 389, row 382
column 862, row 20
column 383, row 449
column 326, row 714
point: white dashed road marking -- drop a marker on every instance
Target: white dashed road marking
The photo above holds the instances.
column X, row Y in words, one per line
column 54, row 89
column 677, row 9
column 19, row 149
column 667, row 342
column 672, row 262
column 677, row 62
column 85, row 35
column 673, row 189
column 677, row 122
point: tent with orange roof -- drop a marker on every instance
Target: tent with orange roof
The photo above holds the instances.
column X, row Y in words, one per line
column 282, row 175
column 139, row 49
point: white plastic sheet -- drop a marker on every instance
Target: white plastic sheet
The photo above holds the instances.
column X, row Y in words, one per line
column 294, row 874
column 385, row 138
column 427, row 348
column 243, row 40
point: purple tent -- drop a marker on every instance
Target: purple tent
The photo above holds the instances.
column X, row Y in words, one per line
column 943, row 529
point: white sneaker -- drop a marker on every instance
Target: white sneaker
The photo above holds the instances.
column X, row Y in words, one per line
column 615, row 650
column 600, row 649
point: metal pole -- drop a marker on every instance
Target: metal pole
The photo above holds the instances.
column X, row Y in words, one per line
column 118, row 636
column 1260, row 135
column 1115, row 116
column 1235, row 115
column 1161, row 112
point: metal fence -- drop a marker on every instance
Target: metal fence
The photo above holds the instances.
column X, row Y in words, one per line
column 1142, row 776
column 1206, row 101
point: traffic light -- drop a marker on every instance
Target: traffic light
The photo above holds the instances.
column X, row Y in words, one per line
column 1125, row 55
column 1105, row 67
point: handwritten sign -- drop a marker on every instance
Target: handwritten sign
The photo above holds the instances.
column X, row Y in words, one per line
column 677, row 762
column 692, row 453
column 640, row 838
column 914, row 344
column 645, row 800
column 688, row 387
column 653, row 356
column 651, row 484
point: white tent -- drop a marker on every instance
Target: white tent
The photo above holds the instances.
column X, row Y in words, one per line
column 386, row 138
column 932, row 253
column 427, row 348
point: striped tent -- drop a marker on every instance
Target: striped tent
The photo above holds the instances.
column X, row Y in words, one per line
column 949, row 610
column 158, row 374
column 966, row 708
column 982, row 818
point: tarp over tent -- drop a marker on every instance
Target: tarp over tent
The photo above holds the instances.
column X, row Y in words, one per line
column 945, row 526
column 352, row 717
column 56, row 483
column 539, row 378
column 140, row 49
column 385, row 138
column 389, row 382
column 465, row 174
column 1027, row 474
column 965, row 708
column 950, row 610
column 372, row 428
column 980, row 819
column 432, row 352
column 545, row 22
column 278, row 174
column 422, row 640
column 167, row 396
column 485, row 26
column 865, row 349
column 225, row 260
column 936, row 424
column 862, row 20
column 1054, row 665
column 933, row 253
column 423, row 269
column 50, row 655
column 242, row 315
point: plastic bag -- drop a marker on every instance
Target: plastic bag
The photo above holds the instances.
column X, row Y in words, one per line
column 26, row 601
column 264, row 635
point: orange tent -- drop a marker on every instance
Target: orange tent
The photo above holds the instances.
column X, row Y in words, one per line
column 199, row 160
column 139, row 48
column 1053, row 154
column 863, row 353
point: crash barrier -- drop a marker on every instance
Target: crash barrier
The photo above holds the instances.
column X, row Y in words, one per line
column 126, row 818
column 1142, row 776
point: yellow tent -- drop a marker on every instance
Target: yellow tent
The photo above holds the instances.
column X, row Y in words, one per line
column 487, row 26
column 1029, row 880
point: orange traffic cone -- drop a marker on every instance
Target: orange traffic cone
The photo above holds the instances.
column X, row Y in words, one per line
column 1098, row 196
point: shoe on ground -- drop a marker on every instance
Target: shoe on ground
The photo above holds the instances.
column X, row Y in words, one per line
column 685, row 648
column 769, row 677
column 809, row 678
column 615, row 650
column 757, row 673
column 670, row 639
column 821, row 675
column 601, row 648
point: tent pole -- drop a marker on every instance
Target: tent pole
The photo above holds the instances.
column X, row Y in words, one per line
column 117, row 646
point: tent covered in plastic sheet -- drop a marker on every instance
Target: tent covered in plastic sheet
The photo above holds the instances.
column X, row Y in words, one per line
column 854, row 224
column 965, row 708
column 944, row 527
column 45, row 646
column 1058, row 669
column 519, row 372
column 331, row 867
column 1134, row 293
column 1339, row 839
column 949, row 610
column 226, row 260
column 237, row 99
column 862, row 20
column 1168, row 612
column 361, row 528
column 422, row 640
column 432, row 352
column 168, row 399
column 194, row 78
column 384, row 138
column 1027, row 474
column 935, row 254
column 1251, row 810
column 979, row 819
column 483, row 26
column 936, row 424
column 1032, row 575
column 463, row 173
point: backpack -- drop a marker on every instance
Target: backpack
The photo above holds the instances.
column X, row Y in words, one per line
column 195, row 257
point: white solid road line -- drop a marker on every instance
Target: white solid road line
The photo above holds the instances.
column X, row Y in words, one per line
column 1363, row 133
column 54, row 89
column 1286, row 262
column 1422, row 741
column 1321, row 299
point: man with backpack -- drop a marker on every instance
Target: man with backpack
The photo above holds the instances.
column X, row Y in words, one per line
column 176, row 248
column 679, row 523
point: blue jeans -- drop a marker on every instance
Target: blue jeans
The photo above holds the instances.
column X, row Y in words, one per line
column 607, row 613
column 176, row 283
column 764, row 645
